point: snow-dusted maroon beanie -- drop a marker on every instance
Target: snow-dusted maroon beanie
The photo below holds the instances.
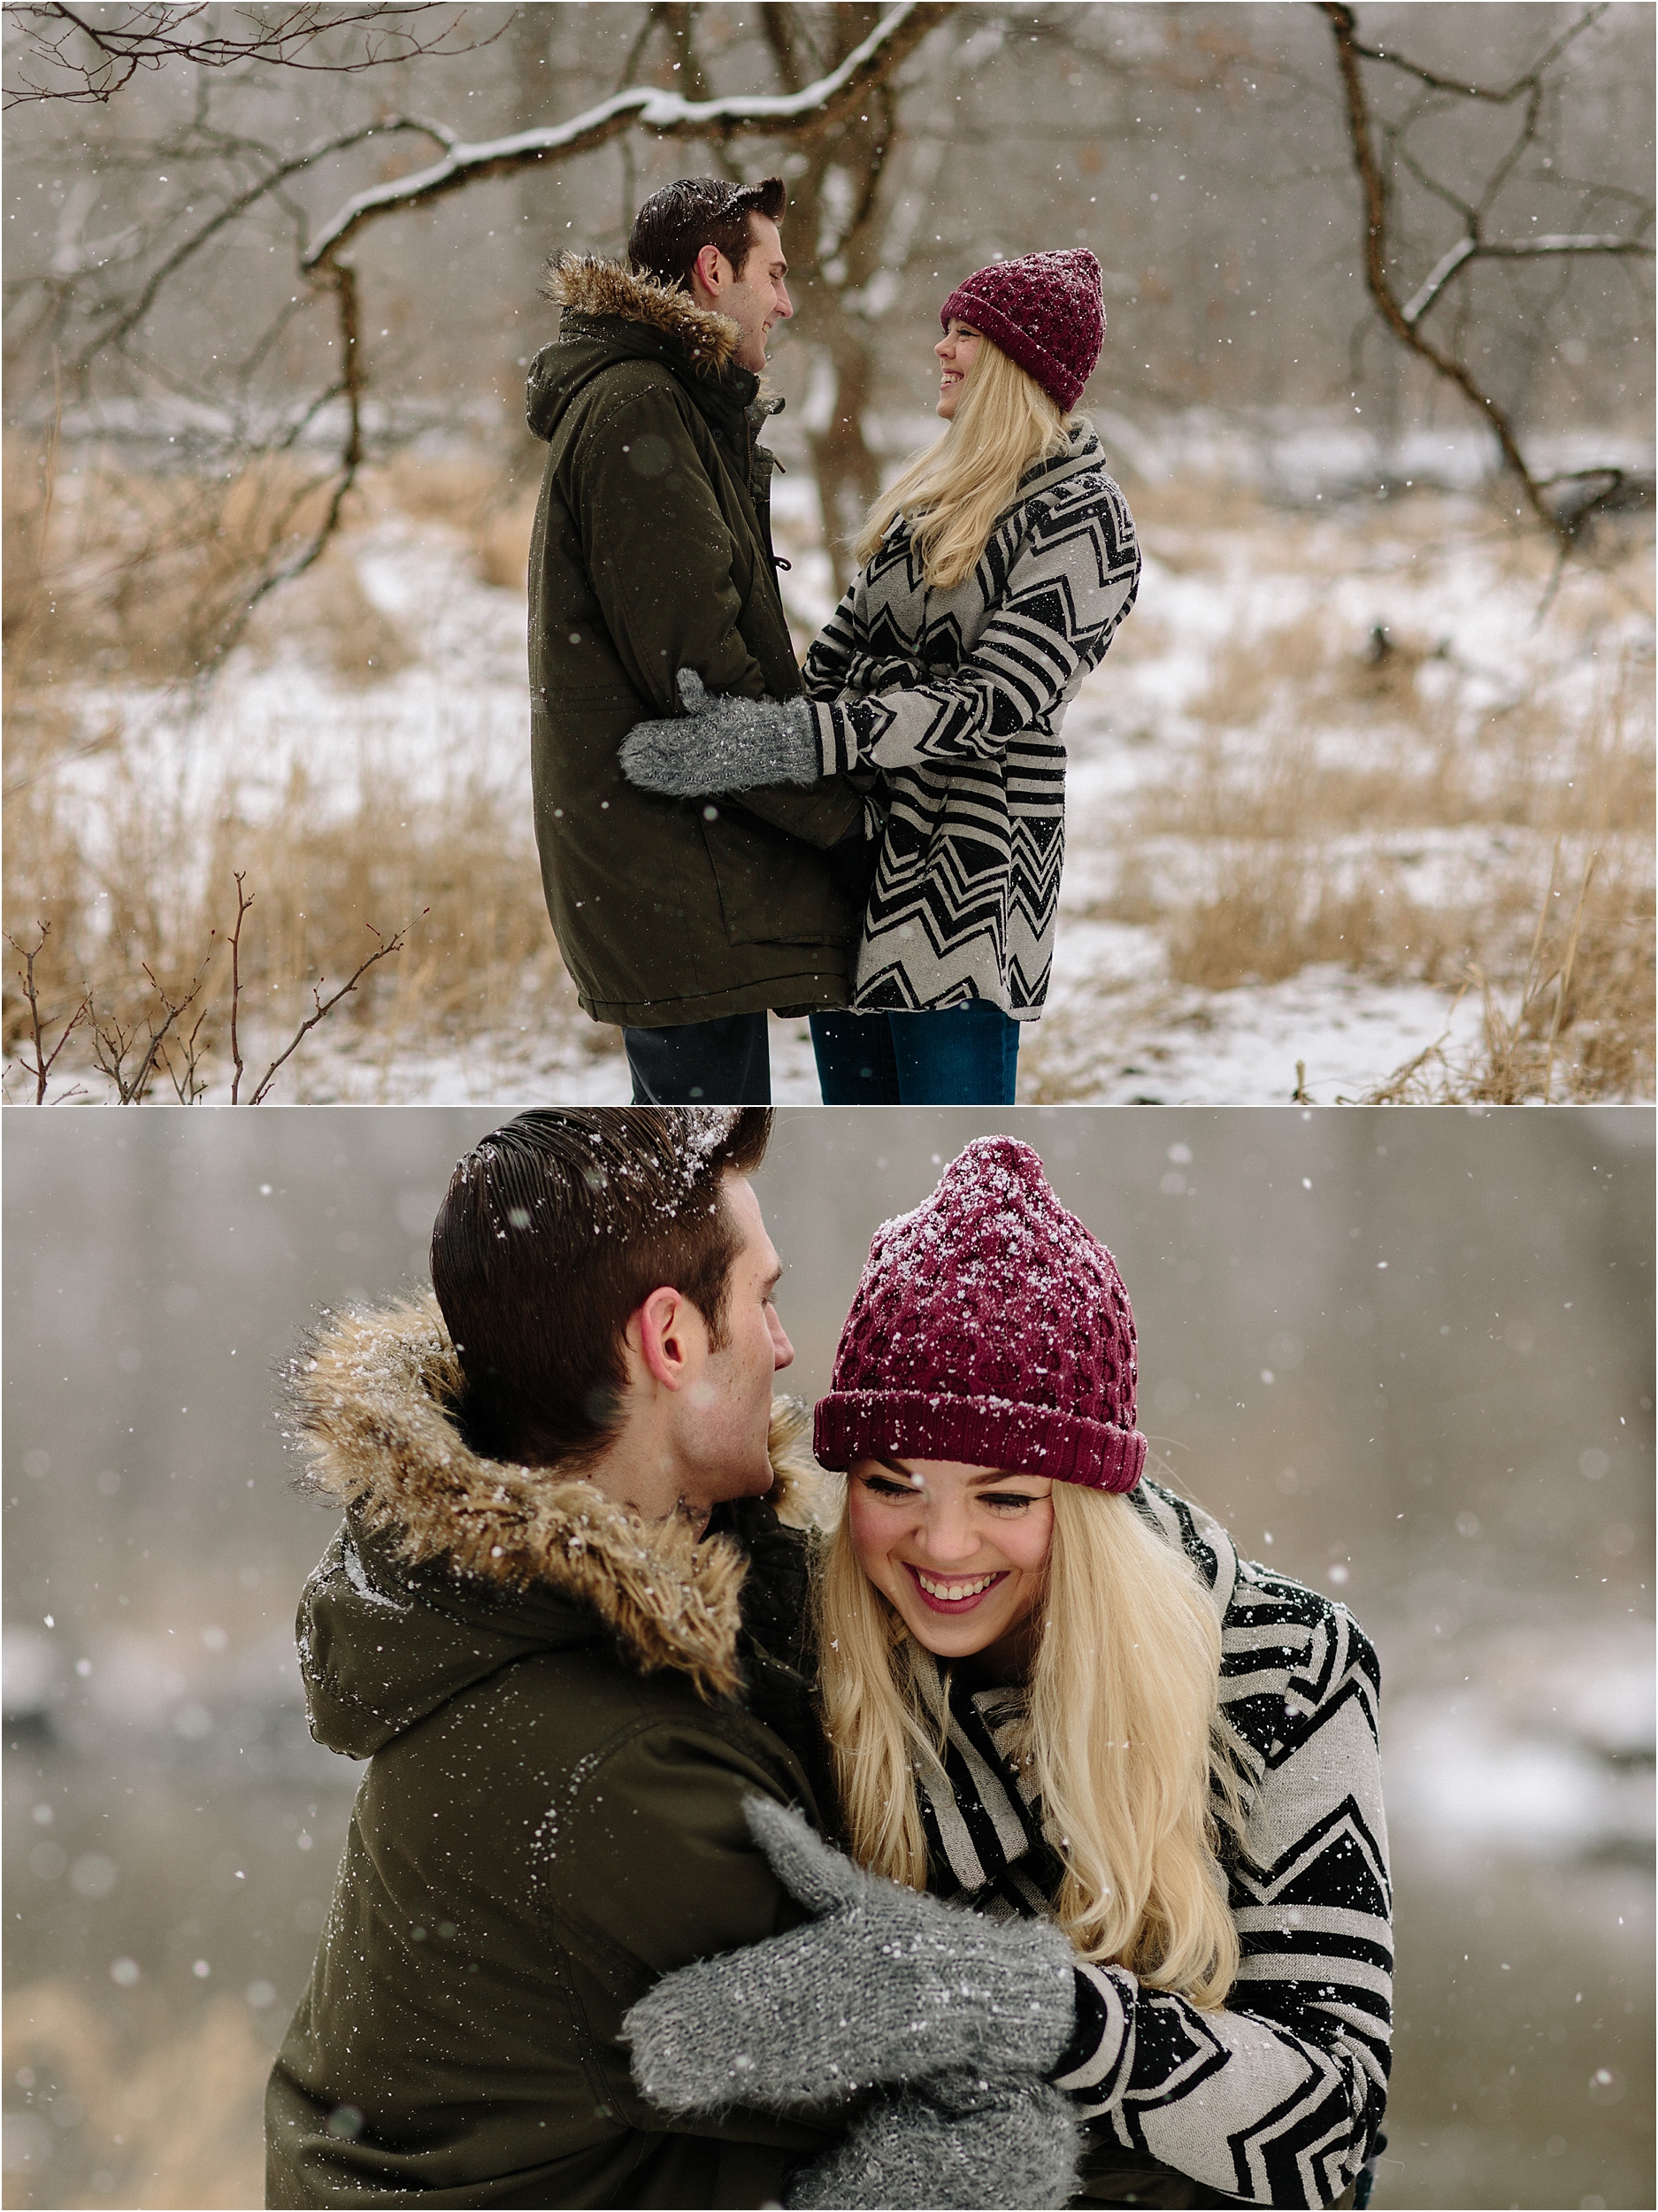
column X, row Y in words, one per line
column 1045, row 309
column 990, row 1327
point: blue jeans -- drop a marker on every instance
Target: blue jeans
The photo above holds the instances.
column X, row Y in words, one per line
column 956, row 1056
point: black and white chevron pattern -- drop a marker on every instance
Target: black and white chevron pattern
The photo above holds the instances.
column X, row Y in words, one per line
column 959, row 696
column 1277, row 2099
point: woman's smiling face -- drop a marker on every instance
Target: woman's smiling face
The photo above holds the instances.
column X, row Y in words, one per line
column 961, row 1551
column 956, row 351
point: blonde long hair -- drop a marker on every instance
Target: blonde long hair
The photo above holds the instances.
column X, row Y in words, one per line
column 1120, row 1736
column 1004, row 422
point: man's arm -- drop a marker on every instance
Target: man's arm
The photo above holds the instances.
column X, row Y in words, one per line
column 657, row 548
column 650, row 1865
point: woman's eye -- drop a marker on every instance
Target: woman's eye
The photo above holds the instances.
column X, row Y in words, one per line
column 882, row 1488
column 1008, row 1502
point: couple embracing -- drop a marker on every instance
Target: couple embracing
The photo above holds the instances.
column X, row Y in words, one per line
column 876, row 840
column 991, row 1835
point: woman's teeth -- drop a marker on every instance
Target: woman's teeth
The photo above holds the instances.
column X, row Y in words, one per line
column 952, row 1593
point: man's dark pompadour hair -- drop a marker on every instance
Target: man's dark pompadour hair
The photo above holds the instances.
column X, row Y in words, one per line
column 553, row 1232
column 674, row 225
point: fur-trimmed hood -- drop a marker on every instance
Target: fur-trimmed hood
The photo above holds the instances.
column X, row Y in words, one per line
column 613, row 315
column 449, row 1565
column 586, row 286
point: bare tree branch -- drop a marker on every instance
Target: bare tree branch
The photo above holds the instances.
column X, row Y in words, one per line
column 149, row 36
column 1404, row 318
column 815, row 108
column 1467, row 250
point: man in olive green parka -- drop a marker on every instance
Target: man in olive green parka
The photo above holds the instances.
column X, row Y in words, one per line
column 560, row 1621
column 681, row 920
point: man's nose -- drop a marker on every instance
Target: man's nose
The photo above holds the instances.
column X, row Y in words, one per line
column 784, row 305
column 782, row 1350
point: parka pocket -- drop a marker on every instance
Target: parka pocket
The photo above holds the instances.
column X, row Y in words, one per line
column 773, row 890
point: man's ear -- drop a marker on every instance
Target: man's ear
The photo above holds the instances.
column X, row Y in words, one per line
column 706, row 267
column 670, row 1337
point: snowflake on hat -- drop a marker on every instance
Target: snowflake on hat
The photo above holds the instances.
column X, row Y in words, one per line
column 991, row 1327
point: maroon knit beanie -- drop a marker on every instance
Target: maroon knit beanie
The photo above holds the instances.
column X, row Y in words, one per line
column 1046, row 311
column 990, row 1327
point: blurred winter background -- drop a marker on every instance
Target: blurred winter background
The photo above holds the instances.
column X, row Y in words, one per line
column 1406, row 1357
column 1360, row 800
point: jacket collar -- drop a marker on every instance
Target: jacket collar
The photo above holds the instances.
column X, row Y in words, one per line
column 588, row 288
column 374, row 1400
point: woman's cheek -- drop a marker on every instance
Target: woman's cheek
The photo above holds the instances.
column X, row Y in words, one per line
column 864, row 1519
column 1026, row 1542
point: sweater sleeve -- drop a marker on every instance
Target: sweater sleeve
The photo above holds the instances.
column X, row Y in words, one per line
column 1068, row 580
column 1277, row 2098
column 832, row 649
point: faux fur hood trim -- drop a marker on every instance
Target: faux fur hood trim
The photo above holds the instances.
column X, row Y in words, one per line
column 372, row 1398
column 588, row 286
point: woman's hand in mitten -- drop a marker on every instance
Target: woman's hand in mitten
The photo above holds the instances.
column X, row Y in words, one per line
column 1018, row 2144
column 883, row 1987
column 722, row 743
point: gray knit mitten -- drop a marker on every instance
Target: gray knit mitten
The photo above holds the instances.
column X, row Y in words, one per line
column 883, row 1989
column 722, row 743
column 1018, row 2145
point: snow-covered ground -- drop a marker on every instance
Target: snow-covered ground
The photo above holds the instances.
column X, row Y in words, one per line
column 1348, row 692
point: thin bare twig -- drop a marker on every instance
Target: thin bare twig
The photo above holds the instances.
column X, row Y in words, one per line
column 112, row 1041
column 149, row 36
column 244, row 900
column 43, row 1060
column 384, row 949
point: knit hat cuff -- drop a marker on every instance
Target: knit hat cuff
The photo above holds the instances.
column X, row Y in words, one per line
column 1058, row 378
column 850, row 1425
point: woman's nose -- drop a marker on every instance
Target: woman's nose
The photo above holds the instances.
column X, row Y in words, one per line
column 947, row 1535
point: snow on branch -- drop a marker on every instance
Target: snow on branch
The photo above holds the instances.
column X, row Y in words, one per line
column 1467, row 250
column 1379, row 150
column 813, row 108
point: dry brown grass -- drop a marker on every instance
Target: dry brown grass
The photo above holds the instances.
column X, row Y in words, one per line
column 485, row 506
column 1276, row 911
column 1579, row 1022
column 171, row 2116
column 1336, row 799
column 127, row 576
column 458, row 875
column 1417, row 767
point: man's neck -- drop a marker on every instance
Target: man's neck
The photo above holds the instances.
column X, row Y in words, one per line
column 640, row 1469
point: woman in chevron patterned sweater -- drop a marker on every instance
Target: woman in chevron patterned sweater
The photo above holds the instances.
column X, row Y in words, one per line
column 995, row 573
column 1055, row 1694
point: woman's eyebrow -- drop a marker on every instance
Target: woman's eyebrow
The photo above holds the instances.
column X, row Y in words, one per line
column 916, row 1481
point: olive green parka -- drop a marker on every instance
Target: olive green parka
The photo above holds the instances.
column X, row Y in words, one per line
column 652, row 552
column 563, row 1711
